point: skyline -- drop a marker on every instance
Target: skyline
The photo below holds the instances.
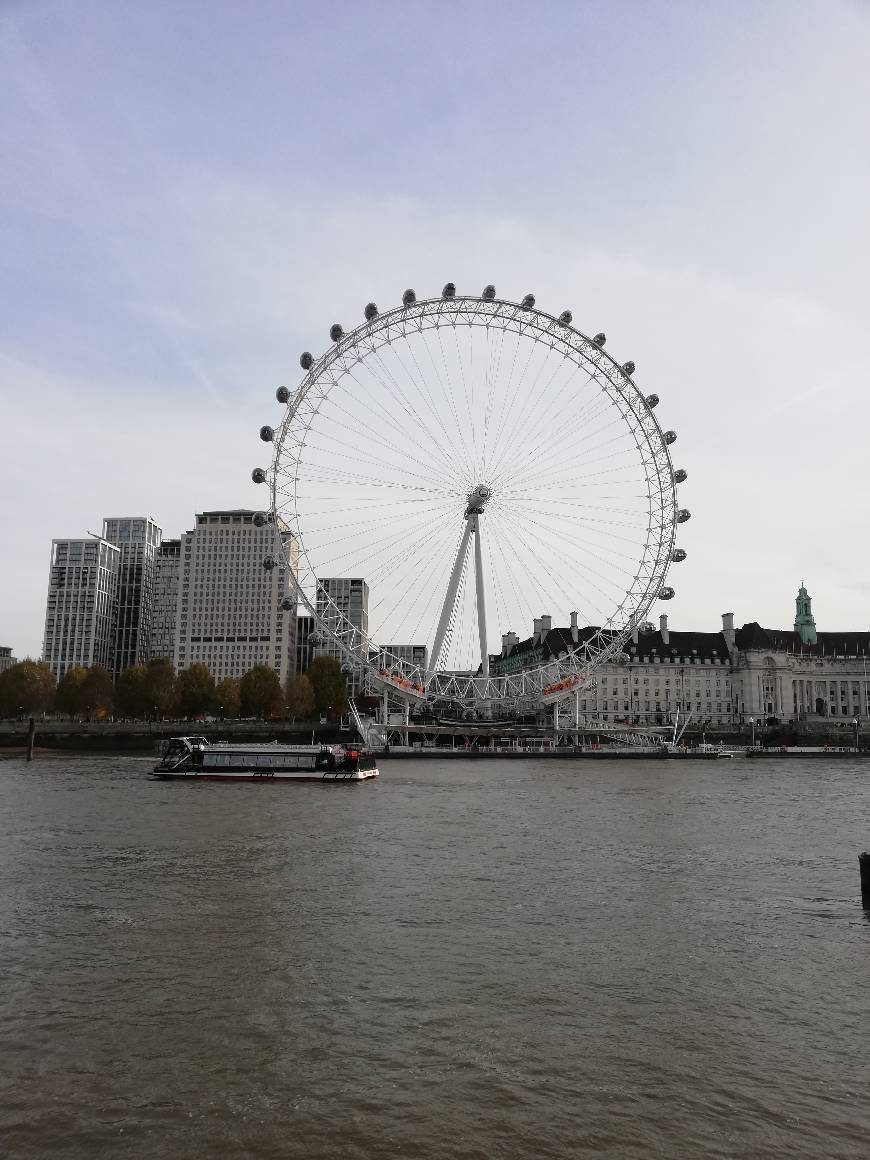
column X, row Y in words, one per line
column 695, row 188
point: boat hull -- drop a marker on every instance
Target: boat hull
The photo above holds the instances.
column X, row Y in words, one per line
column 309, row 775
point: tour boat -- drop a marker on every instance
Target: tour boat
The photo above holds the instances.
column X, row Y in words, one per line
column 198, row 758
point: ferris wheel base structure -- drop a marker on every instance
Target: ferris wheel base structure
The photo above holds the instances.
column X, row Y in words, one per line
column 495, row 422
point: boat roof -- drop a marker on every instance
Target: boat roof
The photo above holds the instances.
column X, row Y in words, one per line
column 258, row 746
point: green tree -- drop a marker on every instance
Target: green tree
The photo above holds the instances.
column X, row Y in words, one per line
column 227, row 698
column 260, row 693
column 330, row 690
column 26, row 687
column 160, row 685
column 299, row 696
column 194, row 691
column 98, row 691
column 131, row 692
column 70, row 698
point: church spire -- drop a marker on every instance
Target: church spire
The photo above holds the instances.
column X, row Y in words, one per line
column 804, row 624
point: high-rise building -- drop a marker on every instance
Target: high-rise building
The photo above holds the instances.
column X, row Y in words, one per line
column 81, row 609
column 231, row 609
column 137, row 538
column 412, row 654
column 343, row 602
column 304, row 642
column 349, row 597
column 164, row 608
column 7, row 660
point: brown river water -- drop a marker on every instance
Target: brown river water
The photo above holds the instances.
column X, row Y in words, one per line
column 527, row 959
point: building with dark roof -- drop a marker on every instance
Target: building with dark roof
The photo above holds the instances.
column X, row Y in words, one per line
column 723, row 678
column 661, row 673
column 800, row 674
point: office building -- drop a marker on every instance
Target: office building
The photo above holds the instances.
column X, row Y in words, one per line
column 305, row 638
column 164, row 607
column 343, row 601
column 137, row 539
column 343, row 604
column 231, row 613
column 416, row 655
column 7, row 660
column 82, row 603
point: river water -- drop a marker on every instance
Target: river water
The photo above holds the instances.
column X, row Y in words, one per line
column 461, row 960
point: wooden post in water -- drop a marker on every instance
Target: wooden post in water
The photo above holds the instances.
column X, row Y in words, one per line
column 864, row 864
column 31, row 738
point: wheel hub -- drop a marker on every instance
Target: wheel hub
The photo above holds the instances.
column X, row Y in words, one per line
column 477, row 500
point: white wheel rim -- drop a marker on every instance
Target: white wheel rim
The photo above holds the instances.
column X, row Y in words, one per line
column 331, row 433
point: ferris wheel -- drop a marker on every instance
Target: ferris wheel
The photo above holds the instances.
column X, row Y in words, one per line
column 484, row 469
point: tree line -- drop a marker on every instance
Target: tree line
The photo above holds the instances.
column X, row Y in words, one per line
column 154, row 690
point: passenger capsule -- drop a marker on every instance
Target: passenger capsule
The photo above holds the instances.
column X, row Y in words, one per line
column 371, row 311
column 409, row 298
column 628, row 367
column 306, row 360
column 449, row 291
column 269, row 562
column 670, row 436
column 678, row 555
column 488, row 293
column 260, row 519
column 282, row 394
column 528, row 302
column 258, row 475
column 680, row 476
column 683, row 515
column 287, row 604
column 267, row 434
column 666, row 593
column 566, row 317
column 600, row 338
column 652, row 401
column 336, row 332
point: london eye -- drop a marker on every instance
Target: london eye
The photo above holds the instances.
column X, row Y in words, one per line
column 482, row 464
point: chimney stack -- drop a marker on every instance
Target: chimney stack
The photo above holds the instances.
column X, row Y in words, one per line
column 505, row 643
column 663, row 628
column 537, row 632
column 575, row 631
column 546, row 625
column 728, row 630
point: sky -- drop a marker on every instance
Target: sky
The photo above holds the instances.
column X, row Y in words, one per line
column 190, row 194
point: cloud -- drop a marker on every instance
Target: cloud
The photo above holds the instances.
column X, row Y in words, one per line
column 709, row 216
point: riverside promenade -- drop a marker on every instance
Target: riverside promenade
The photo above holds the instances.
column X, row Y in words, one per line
column 147, row 736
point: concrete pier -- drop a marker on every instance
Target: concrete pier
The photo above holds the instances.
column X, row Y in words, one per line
column 864, row 865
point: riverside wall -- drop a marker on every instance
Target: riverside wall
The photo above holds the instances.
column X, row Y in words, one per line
column 147, row 737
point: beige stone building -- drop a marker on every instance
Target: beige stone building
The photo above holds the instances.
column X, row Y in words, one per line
column 233, row 612
column 724, row 679
column 800, row 675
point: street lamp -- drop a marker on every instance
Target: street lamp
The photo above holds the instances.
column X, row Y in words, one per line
column 855, row 723
column 752, row 725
